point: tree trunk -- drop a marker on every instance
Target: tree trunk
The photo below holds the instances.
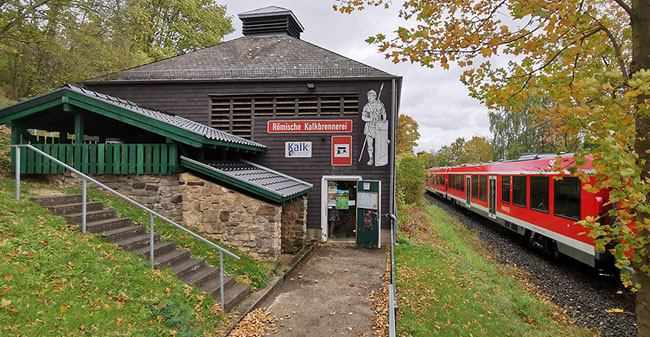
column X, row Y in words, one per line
column 641, row 60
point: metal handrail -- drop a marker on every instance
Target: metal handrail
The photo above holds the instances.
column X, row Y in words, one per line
column 151, row 212
column 392, row 296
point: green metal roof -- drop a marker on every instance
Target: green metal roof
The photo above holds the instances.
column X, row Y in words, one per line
column 158, row 122
column 254, row 178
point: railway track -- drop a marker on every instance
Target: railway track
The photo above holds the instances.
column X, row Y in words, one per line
column 582, row 291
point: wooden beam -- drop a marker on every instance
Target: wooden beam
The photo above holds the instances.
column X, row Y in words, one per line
column 78, row 128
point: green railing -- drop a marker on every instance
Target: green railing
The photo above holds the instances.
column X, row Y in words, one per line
column 103, row 158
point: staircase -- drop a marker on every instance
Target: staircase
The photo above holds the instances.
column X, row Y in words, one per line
column 135, row 238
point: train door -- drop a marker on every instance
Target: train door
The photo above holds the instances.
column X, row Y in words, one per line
column 468, row 190
column 492, row 197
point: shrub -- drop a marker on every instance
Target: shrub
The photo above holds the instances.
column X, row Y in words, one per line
column 411, row 176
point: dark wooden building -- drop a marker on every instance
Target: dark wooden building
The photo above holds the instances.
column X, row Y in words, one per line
column 324, row 118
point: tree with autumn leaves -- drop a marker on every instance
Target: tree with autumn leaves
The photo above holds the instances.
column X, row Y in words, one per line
column 589, row 58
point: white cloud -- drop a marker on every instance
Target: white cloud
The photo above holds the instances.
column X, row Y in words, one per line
column 435, row 98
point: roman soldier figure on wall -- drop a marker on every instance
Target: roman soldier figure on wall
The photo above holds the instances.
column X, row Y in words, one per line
column 375, row 130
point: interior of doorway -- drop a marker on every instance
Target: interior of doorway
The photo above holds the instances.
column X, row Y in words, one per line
column 341, row 210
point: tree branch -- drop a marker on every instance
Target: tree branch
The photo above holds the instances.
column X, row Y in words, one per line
column 624, row 6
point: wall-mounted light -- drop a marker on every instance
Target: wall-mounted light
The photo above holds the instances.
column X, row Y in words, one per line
column 311, row 86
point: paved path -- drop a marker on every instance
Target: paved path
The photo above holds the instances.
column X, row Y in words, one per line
column 327, row 295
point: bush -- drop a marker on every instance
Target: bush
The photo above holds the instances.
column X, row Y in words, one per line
column 411, row 176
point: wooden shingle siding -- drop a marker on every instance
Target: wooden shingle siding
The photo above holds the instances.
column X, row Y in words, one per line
column 194, row 100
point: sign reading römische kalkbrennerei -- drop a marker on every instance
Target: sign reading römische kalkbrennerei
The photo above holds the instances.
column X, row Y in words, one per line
column 297, row 149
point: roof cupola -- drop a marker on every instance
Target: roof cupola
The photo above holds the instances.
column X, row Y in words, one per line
column 270, row 20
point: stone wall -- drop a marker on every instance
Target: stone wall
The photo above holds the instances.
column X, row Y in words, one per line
column 161, row 193
column 294, row 225
column 237, row 220
column 240, row 221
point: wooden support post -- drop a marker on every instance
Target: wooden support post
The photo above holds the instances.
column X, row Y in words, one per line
column 15, row 139
column 78, row 128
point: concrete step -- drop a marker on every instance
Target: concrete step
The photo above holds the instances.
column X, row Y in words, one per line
column 188, row 266
column 75, row 208
column 53, row 200
column 212, row 287
column 135, row 242
column 107, row 224
column 171, row 258
column 122, row 233
column 200, row 276
column 234, row 294
column 158, row 249
column 75, row 218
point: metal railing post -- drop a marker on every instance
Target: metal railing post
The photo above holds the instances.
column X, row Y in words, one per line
column 223, row 304
column 17, row 158
column 391, row 313
column 151, row 239
column 83, row 205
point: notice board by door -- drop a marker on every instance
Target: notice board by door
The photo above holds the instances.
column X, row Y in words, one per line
column 368, row 212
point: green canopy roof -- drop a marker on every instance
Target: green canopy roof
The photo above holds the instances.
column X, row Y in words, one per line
column 70, row 98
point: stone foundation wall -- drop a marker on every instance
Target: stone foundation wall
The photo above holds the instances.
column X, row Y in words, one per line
column 294, row 225
column 242, row 222
column 250, row 225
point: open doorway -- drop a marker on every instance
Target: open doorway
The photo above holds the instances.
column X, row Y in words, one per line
column 338, row 208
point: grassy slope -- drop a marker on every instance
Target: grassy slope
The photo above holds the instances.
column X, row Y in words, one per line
column 55, row 281
column 447, row 285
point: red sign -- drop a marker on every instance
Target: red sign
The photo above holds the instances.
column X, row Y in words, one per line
column 341, row 150
column 310, row 126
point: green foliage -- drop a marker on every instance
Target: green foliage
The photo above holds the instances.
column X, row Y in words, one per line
column 476, row 150
column 46, row 44
column 411, row 176
column 176, row 316
column 521, row 130
column 407, row 134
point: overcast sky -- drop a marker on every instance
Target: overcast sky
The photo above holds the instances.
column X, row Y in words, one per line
column 435, row 98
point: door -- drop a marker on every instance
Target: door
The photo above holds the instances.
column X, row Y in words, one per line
column 492, row 197
column 368, row 213
column 468, row 190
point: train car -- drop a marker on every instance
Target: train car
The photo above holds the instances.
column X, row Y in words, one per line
column 524, row 196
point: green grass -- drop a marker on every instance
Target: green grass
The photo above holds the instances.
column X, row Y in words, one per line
column 247, row 270
column 447, row 285
column 55, row 281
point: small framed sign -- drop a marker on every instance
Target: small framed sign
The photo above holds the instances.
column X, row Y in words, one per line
column 341, row 150
column 297, row 149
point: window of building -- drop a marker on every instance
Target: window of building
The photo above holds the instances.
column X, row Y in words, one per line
column 567, row 198
column 475, row 187
column 539, row 188
column 505, row 190
column 482, row 190
column 233, row 114
column 519, row 191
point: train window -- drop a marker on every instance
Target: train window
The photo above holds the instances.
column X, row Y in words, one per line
column 539, row 187
column 475, row 187
column 567, row 198
column 505, row 190
column 519, row 191
column 482, row 190
column 462, row 183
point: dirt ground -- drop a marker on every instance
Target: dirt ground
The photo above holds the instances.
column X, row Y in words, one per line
column 327, row 295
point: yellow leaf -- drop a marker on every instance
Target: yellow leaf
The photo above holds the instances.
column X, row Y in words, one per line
column 486, row 52
column 63, row 308
column 9, row 277
column 614, row 311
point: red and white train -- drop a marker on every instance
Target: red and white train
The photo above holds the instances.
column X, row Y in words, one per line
column 523, row 196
